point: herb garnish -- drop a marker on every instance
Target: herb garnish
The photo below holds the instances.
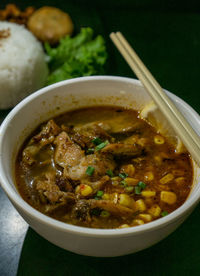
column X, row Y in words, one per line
column 90, row 170
column 97, row 141
column 110, row 173
column 140, row 186
column 102, row 145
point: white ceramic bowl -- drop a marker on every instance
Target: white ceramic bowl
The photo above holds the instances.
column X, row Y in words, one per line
column 68, row 95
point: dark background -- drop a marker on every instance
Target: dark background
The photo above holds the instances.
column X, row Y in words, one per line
column 166, row 35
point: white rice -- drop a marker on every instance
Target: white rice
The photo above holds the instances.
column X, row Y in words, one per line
column 23, row 69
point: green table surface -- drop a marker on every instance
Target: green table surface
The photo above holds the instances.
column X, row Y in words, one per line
column 166, row 35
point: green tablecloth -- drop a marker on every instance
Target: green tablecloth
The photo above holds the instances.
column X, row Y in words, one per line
column 166, row 35
column 177, row 255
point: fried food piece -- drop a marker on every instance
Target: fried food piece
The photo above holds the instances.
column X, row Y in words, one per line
column 50, row 24
column 13, row 14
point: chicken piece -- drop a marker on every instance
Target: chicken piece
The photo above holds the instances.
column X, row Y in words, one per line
column 49, row 208
column 121, row 125
column 50, row 24
column 123, row 150
column 114, row 208
column 81, row 140
column 45, row 137
column 67, row 200
column 100, row 163
column 63, row 184
column 83, row 207
column 93, row 129
column 49, row 190
column 29, row 154
column 97, row 185
column 47, row 134
column 127, row 129
column 136, row 139
column 81, row 210
column 86, row 133
column 67, row 154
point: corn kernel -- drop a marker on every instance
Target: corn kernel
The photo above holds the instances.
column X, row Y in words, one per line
column 140, row 205
column 126, row 200
column 168, row 197
column 115, row 180
column 149, row 176
column 114, row 197
column 148, row 193
column 155, row 210
column 106, row 196
column 180, row 180
column 85, row 190
column 129, row 169
column 131, row 181
column 123, row 226
column 138, row 222
column 167, row 178
column 145, row 217
column 159, row 140
column 77, row 190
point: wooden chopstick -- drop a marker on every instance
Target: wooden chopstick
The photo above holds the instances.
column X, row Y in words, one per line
column 181, row 127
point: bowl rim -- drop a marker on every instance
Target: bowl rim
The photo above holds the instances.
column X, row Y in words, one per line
column 15, row 197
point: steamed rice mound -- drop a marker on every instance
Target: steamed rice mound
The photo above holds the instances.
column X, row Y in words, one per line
column 23, row 69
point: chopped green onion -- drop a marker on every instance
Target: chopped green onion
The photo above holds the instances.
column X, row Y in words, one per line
column 104, row 214
column 102, row 145
column 90, row 170
column 137, row 190
column 110, row 173
column 97, row 141
column 123, row 175
column 142, row 185
column 129, row 189
column 100, row 193
column 123, row 183
column 90, row 150
column 164, row 213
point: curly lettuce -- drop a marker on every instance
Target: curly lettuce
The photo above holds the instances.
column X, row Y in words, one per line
column 77, row 56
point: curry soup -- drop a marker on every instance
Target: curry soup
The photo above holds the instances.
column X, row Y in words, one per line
column 102, row 167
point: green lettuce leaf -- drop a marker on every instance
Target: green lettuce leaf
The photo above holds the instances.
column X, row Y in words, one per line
column 75, row 57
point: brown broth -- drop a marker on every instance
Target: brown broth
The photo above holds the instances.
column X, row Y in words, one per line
column 61, row 198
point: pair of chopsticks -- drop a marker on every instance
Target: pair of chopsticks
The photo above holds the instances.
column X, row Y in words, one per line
column 181, row 127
